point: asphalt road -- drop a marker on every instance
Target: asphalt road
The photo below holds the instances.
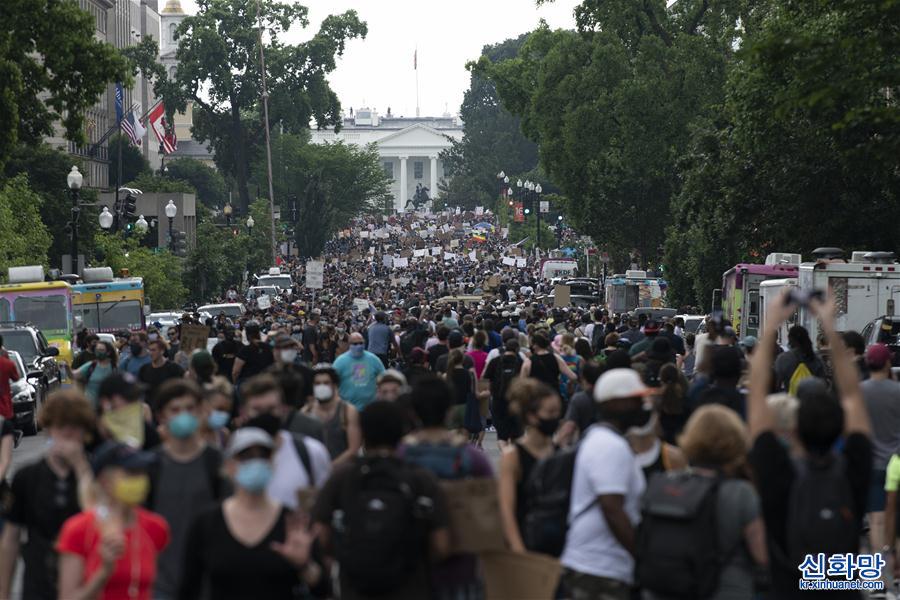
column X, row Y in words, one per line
column 30, row 449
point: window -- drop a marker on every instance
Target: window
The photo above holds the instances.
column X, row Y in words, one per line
column 418, row 169
column 172, row 28
column 172, row 72
column 389, row 169
column 111, row 316
column 446, row 168
column 47, row 313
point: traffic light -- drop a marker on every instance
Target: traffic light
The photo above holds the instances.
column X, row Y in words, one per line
column 129, row 206
column 179, row 243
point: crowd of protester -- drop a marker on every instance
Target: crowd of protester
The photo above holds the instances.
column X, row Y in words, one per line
column 310, row 453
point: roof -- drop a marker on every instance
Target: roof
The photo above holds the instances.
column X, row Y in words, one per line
column 173, row 7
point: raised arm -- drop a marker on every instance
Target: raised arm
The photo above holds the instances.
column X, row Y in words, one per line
column 759, row 417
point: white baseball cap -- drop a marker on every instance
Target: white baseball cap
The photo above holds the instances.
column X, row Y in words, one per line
column 619, row 383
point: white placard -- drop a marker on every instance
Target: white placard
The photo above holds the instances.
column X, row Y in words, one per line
column 473, row 256
column 479, row 210
column 387, row 260
column 360, row 304
column 401, row 263
column 364, row 234
column 545, row 206
column 436, row 250
column 509, row 261
column 315, row 274
column 420, row 253
column 264, row 302
column 449, row 256
column 521, row 262
column 454, row 243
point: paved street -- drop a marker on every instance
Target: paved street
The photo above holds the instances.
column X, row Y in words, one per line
column 29, row 450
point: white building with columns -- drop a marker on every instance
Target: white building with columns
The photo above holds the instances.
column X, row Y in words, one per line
column 409, row 147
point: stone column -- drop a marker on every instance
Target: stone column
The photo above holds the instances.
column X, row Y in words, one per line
column 432, row 192
column 401, row 200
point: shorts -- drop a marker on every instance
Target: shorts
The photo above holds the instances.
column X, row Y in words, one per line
column 877, row 495
column 507, row 427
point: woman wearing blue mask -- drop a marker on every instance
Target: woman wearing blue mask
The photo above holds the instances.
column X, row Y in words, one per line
column 250, row 546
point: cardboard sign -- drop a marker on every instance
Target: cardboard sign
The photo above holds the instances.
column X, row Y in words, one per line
column 561, row 297
column 126, row 424
column 449, row 256
column 401, row 263
column 474, row 515
column 473, row 256
column 479, row 210
column 360, row 304
column 420, row 253
column 264, row 302
column 521, row 263
column 454, row 243
column 515, row 251
column 193, row 337
column 315, row 274
column 509, row 261
column 512, row 576
column 492, row 282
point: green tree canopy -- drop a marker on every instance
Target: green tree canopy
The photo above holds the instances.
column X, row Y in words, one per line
column 133, row 161
column 219, row 71
column 52, row 68
column 330, row 183
column 160, row 270
column 211, row 188
column 25, row 238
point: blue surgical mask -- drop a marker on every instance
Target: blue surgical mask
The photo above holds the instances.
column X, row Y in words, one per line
column 254, row 475
column 183, row 425
column 217, row 419
column 356, row 350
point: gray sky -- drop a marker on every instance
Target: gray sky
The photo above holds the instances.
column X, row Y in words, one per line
column 378, row 71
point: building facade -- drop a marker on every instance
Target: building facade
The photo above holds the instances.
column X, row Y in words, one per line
column 408, row 147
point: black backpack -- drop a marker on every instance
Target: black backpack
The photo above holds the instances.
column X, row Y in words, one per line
column 548, row 492
column 678, row 552
column 820, row 514
column 598, row 337
column 380, row 532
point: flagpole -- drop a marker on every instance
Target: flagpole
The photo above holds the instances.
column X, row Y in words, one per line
column 416, row 69
column 265, row 99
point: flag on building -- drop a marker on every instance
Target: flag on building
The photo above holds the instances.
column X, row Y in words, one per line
column 165, row 134
column 120, row 97
column 132, row 127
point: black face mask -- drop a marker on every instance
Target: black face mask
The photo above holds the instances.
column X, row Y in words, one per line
column 135, row 349
column 548, row 426
column 625, row 420
column 267, row 422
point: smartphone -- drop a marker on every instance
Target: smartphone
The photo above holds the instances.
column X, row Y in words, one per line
column 804, row 297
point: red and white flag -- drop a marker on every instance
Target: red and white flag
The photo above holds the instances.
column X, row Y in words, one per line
column 165, row 133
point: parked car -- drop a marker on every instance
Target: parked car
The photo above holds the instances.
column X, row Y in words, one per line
column 27, row 398
column 692, row 322
column 37, row 354
column 232, row 310
column 885, row 330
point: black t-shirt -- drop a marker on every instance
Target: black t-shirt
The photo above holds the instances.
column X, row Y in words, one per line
column 310, row 338
column 774, row 471
column 224, row 353
column 581, row 410
column 229, row 568
column 440, row 365
column 153, row 377
column 257, row 358
column 500, row 372
column 41, row 504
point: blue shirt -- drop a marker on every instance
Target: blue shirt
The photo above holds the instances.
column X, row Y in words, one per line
column 379, row 338
column 358, row 377
column 133, row 364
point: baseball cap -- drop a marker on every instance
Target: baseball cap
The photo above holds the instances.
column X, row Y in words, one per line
column 248, row 437
column 117, row 454
column 455, row 339
column 877, row 355
column 749, row 342
column 619, row 383
column 651, row 327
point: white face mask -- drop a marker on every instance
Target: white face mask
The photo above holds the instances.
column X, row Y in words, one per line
column 647, row 428
column 323, row 392
column 288, row 356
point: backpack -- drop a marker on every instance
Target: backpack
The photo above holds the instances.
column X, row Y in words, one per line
column 598, row 337
column 445, row 461
column 548, row 493
column 303, row 453
column 800, row 373
column 507, row 372
column 380, row 533
column 820, row 514
column 678, row 552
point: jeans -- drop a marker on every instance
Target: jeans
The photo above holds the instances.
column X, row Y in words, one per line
column 591, row 587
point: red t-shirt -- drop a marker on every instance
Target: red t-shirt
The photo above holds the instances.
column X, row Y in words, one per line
column 8, row 374
column 80, row 535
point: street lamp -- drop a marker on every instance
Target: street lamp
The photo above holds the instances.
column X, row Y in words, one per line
column 74, row 179
column 250, row 224
column 141, row 225
column 105, row 218
column 228, row 210
column 171, row 211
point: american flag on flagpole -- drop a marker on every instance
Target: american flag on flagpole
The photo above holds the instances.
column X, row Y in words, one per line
column 132, row 127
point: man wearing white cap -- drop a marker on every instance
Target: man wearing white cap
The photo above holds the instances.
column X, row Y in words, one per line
column 607, row 485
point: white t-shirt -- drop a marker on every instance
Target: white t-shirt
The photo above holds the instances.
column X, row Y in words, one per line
column 604, row 465
column 290, row 476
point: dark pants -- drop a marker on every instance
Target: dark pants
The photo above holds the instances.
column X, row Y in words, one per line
column 384, row 360
column 582, row 586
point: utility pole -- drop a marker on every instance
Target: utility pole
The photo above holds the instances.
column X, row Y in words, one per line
column 265, row 99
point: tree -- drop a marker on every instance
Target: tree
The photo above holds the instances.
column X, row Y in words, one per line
column 47, row 168
column 133, row 162
column 800, row 155
column 492, row 141
column 217, row 262
column 160, row 270
column 611, row 107
column 209, row 183
column 219, row 71
column 151, row 182
column 330, row 184
column 25, row 238
column 52, row 68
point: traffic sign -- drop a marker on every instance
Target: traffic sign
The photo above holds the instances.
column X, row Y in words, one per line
column 545, row 206
column 604, row 257
column 315, row 274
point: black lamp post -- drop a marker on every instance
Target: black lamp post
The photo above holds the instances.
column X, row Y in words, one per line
column 171, row 211
column 75, row 179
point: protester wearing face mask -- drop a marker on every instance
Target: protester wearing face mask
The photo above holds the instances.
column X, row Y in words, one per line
column 137, row 355
column 218, row 398
column 186, row 479
column 300, row 461
column 45, row 494
column 653, row 454
column 539, row 409
column 92, row 374
column 340, row 419
column 358, row 371
column 250, row 546
column 110, row 550
column 607, row 485
column 286, row 351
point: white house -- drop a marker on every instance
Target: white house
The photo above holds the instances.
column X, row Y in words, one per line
column 409, row 147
